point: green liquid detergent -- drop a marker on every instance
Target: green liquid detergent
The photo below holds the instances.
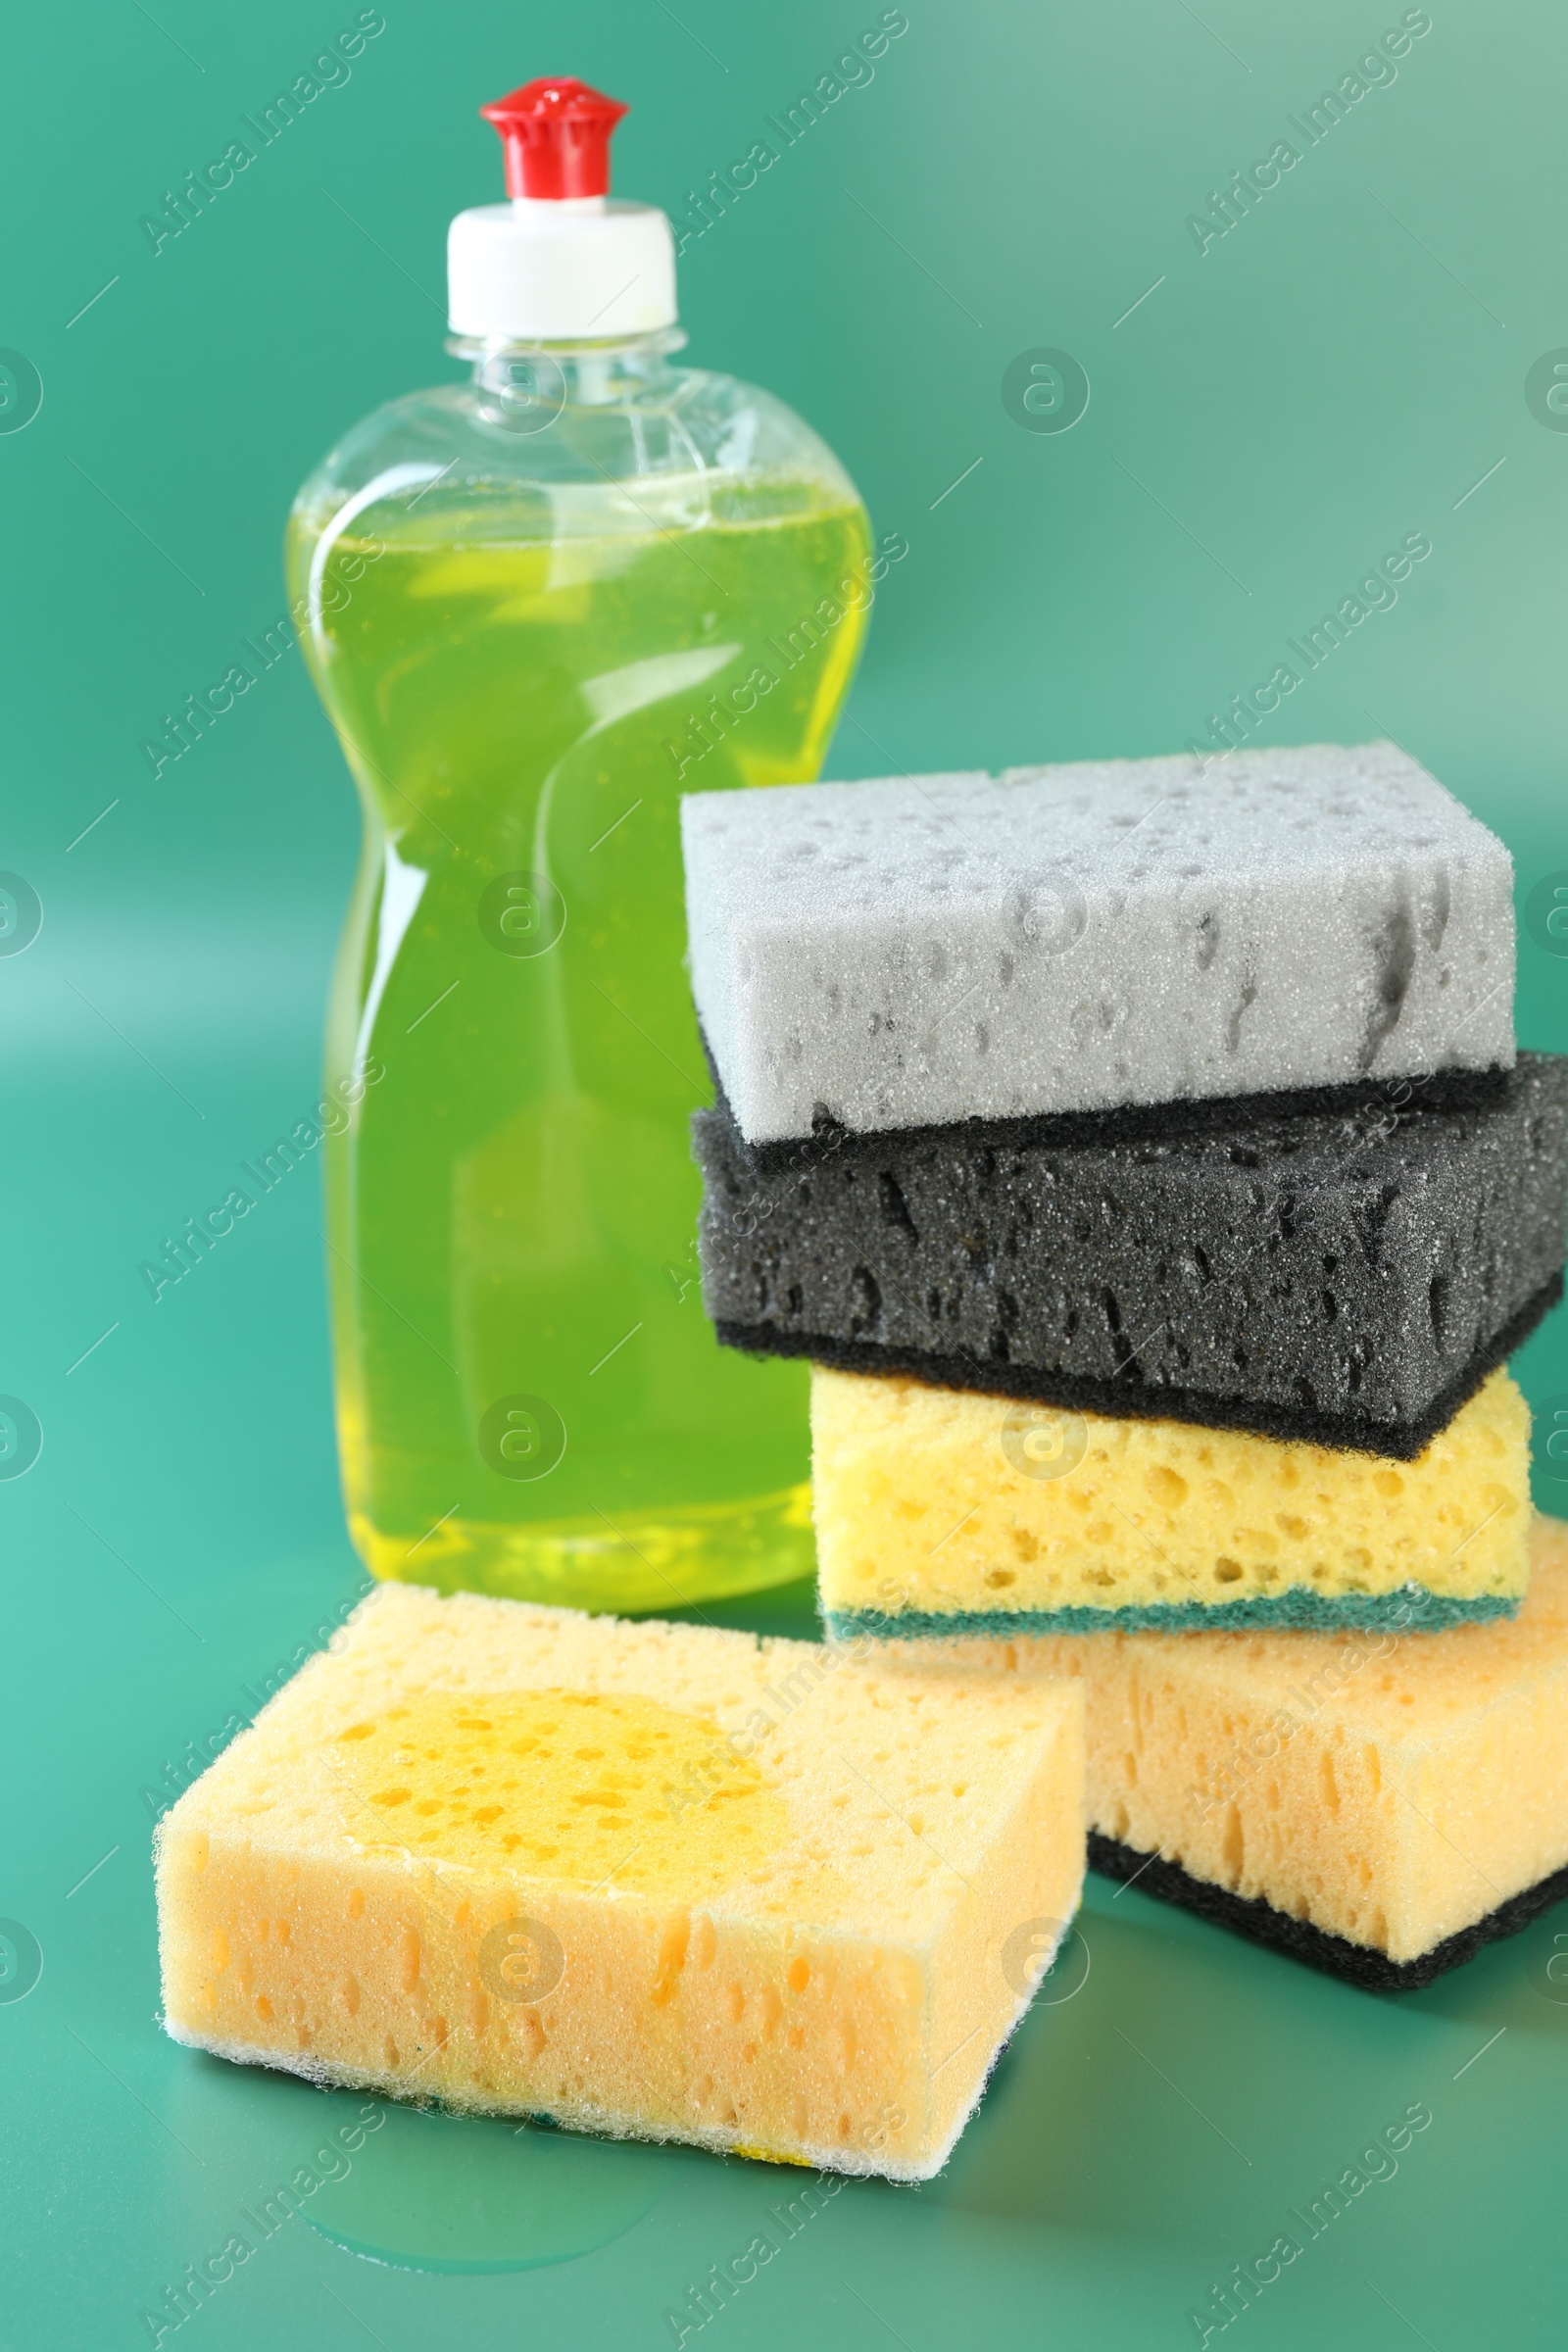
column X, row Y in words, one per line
column 541, row 607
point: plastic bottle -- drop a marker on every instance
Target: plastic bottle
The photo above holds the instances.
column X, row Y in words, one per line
column 540, row 607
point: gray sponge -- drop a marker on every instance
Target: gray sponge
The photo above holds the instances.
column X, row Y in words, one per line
column 930, row 948
column 1347, row 1276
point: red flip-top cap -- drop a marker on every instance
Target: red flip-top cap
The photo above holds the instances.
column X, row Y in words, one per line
column 557, row 138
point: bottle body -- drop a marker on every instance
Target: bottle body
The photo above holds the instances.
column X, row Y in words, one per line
column 541, row 608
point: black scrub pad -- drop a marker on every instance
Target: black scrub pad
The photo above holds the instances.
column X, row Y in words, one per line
column 1357, row 1963
column 1367, row 1101
column 1344, row 1275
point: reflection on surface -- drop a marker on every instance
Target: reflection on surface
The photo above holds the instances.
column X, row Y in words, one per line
column 468, row 2193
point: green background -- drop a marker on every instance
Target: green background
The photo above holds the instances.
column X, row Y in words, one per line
column 1341, row 370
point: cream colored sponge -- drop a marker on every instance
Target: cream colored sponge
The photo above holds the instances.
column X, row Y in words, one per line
column 942, row 1512
column 647, row 1879
column 1390, row 1790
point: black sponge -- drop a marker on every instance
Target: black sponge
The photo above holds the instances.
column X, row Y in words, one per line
column 1357, row 1963
column 1347, row 1276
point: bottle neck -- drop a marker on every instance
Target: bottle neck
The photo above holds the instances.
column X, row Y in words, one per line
column 515, row 381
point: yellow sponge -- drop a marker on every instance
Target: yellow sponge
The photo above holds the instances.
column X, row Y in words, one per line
column 1392, row 1791
column 942, row 1512
column 643, row 1879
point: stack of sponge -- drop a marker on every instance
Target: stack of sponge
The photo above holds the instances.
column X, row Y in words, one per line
column 1144, row 1160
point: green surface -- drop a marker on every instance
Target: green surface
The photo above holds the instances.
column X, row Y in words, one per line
column 1336, row 372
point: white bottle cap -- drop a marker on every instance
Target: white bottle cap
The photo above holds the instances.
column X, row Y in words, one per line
column 563, row 269
column 561, row 261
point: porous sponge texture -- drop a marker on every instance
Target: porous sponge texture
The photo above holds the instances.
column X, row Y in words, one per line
column 922, row 950
column 647, row 1879
column 1346, row 1277
column 937, row 1503
column 1390, row 1788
